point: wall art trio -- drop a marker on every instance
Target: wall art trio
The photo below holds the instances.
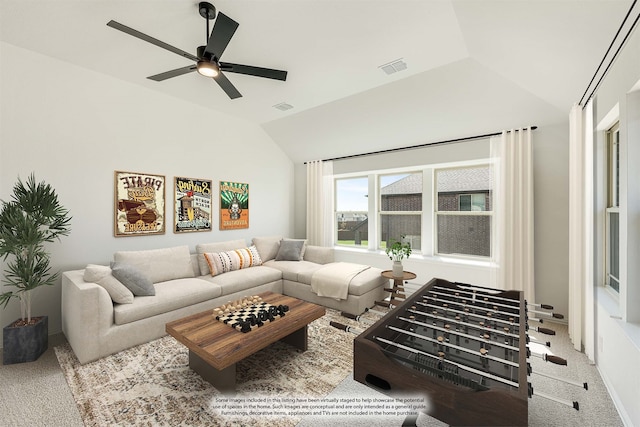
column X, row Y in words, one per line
column 140, row 204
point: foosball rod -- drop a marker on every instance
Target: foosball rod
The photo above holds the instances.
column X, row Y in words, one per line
column 450, row 362
column 345, row 328
column 564, row 380
column 395, row 294
column 462, row 323
column 453, row 346
column 379, row 313
column 389, row 305
column 482, row 292
column 537, row 341
column 485, row 301
column 475, row 291
column 569, row 403
column 466, row 313
column 480, row 339
column 544, row 306
column 466, row 306
column 545, row 331
column 357, row 318
column 546, row 313
column 548, row 358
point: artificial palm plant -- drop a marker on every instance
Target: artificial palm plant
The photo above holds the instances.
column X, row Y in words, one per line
column 32, row 218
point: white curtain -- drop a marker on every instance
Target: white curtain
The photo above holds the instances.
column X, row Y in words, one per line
column 581, row 298
column 512, row 231
column 319, row 203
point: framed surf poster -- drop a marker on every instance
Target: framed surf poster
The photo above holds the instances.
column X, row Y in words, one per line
column 234, row 205
column 191, row 205
column 139, row 204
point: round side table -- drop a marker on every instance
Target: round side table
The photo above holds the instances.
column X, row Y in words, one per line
column 398, row 283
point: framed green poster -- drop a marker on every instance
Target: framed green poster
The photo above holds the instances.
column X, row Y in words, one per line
column 234, row 205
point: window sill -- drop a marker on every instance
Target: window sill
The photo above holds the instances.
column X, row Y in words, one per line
column 471, row 262
column 610, row 304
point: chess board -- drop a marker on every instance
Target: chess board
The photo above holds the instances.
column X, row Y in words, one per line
column 249, row 313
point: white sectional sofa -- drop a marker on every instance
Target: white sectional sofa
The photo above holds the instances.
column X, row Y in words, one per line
column 100, row 316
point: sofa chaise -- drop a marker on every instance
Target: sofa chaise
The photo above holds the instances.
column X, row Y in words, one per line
column 106, row 309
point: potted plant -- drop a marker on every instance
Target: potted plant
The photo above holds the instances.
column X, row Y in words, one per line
column 31, row 219
column 397, row 251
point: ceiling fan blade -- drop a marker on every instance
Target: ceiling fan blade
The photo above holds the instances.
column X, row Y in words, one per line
column 223, row 30
column 149, row 39
column 268, row 73
column 173, row 73
column 227, row 86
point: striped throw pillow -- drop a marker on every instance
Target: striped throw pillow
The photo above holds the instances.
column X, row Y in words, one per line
column 222, row 262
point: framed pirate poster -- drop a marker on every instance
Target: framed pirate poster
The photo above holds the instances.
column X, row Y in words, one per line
column 139, row 204
column 191, row 205
column 234, row 205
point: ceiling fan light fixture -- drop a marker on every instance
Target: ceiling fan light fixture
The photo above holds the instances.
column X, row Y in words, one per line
column 208, row 69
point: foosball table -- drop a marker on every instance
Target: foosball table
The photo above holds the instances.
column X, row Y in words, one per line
column 463, row 347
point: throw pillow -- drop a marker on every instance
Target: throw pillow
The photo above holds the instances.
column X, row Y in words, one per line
column 203, row 248
column 290, row 250
column 136, row 281
column 267, row 246
column 304, row 246
column 101, row 275
column 223, row 262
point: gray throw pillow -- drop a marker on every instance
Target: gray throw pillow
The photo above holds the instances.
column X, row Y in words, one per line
column 133, row 279
column 290, row 250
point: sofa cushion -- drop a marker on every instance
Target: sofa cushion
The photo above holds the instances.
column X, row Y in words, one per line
column 135, row 280
column 362, row 283
column 170, row 295
column 319, row 254
column 295, row 270
column 267, row 246
column 159, row 265
column 101, row 274
column 290, row 250
column 237, row 259
column 245, row 280
column 203, row 248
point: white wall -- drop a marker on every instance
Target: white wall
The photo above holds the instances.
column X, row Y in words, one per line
column 73, row 128
column 551, row 193
column 617, row 329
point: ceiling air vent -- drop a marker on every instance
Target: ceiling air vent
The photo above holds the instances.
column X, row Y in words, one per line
column 283, row 106
column 394, row 66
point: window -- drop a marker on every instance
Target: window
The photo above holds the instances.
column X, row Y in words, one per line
column 438, row 211
column 472, row 202
column 352, row 211
column 400, row 209
column 612, row 216
column 463, row 211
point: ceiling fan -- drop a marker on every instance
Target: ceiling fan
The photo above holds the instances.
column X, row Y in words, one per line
column 207, row 58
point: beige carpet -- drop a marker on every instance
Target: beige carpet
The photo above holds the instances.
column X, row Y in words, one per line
column 152, row 384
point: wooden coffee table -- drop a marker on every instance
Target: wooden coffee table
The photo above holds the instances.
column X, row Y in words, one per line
column 215, row 348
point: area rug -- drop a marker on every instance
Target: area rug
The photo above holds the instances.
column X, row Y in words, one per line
column 152, row 384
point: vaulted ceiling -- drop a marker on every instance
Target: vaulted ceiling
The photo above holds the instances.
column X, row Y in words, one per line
column 473, row 66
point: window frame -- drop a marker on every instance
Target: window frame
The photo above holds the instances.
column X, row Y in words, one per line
column 612, row 177
column 380, row 213
column 438, row 213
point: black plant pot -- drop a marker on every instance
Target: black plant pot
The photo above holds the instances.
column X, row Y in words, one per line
column 25, row 343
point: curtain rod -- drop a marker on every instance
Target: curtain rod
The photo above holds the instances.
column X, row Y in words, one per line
column 427, row 144
column 615, row 55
